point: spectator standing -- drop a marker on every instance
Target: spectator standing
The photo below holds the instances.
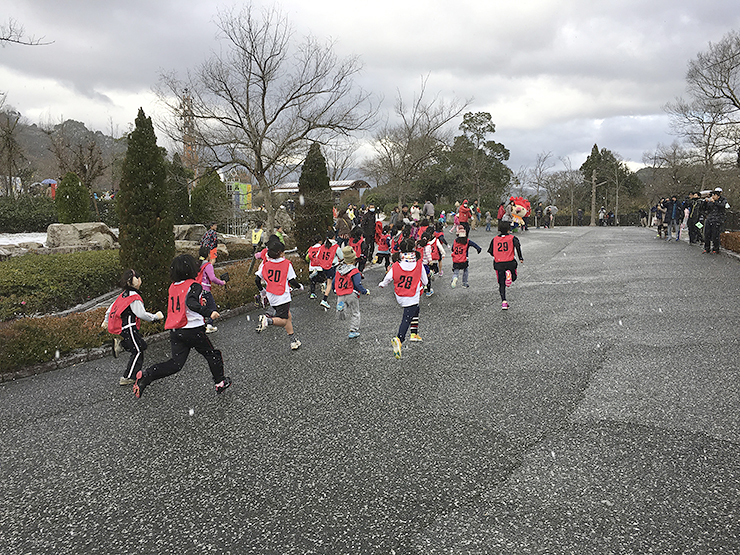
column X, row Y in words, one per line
column 713, row 221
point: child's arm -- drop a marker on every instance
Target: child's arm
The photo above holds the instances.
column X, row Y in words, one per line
column 192, row 301
column 357, row 283
column 211, row 275
column 107, row 314
column 387, row 279
column 518, row 247
column 137, row 307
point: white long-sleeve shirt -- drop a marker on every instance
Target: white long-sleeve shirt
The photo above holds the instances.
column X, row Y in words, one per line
column 407, row 264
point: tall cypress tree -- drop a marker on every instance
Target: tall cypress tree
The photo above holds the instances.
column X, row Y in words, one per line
column 210, row 201
column 313, row 214
column 72, row 200
column 178, row 177
column 146, row 237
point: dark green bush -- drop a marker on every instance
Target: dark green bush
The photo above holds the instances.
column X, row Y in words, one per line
column 26, row 213
column 72, row 200
column 108, row 214
column 34, row 284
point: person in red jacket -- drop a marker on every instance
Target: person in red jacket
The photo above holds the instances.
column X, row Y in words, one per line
column 503, row 248
column 464, row 213
column 123, row 319
column 187, row 325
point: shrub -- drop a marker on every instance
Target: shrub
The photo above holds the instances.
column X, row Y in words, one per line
column 145, row 230
column 209, row 201
column 72, row 200
column 26, row 213
column 108, row 214
column 34, row 284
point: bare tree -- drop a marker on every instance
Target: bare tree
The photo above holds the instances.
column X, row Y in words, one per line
column 404, row 149
column 12, row 157
column 539, row 173
column 13, row 33
column 81, row 156
column 341, row 159
column 260, row 102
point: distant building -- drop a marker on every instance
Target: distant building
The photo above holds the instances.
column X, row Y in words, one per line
column 344, row 192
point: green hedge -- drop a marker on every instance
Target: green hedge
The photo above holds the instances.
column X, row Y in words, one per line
column 34, row 284
column 26, row 213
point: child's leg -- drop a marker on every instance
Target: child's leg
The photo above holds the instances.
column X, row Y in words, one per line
column 501, row 278
column 352, row 304
column 180, row 344
column 210, row 304
column 134, row 344
column 409, row 312
column 414, row 325
column 465, row 275
column 203, row 345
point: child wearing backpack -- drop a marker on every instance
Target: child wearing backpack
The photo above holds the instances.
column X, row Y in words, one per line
column 123, row 318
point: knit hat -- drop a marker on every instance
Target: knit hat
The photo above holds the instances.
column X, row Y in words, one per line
column 349, row 255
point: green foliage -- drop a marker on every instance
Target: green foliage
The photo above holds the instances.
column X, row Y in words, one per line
column 26, row 213
column 610, row 171
column 145, row 223
column 314, row 215
column 210, row 201
column 34, row 284
column 72, row 200
column 178, row 177
column 108, row 212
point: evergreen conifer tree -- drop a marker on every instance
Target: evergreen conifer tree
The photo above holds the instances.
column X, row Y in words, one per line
column 72, row 200
column 178, row 177
column 146, row 237
column 313, row 214
column 209, row 201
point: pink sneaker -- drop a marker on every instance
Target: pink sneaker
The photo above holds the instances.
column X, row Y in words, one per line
column 508, row 278
column 504, row 306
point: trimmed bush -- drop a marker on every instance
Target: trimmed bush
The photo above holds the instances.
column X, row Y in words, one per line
column 37, row 284
column 72, row 200
column 26, row 213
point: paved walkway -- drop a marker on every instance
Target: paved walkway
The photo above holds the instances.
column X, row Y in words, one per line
column 598, row 415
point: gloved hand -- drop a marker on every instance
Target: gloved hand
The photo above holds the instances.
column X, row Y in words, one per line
column 224, row 277
column 158, row 315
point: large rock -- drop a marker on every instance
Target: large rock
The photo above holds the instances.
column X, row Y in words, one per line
column 189, row 232
column 88, row 233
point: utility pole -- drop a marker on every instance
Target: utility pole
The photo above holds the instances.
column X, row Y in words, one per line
column 593, row 197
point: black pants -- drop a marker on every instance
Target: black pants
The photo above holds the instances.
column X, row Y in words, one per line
column 181, row 341
column 694, row 232
column 711, row 235
column 385, row 258
column 134, row 343
column 410, row 319
column 501, row 277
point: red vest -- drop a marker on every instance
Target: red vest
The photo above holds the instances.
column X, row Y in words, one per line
column 115, row 324
column 326, row 256
column 275, row 275
column 435, row 249
column 395, row 244
column 460, row 251
column 343, row 282
column 356, row 244
column 313, row 255
column 199, row 277
column 384, row 242
column 503, row 248
column 378, row 230
column 406, row 284
column 177, row 311
column 422, row 229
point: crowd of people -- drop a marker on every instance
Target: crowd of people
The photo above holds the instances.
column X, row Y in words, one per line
column 701, row 214
column 411, row 248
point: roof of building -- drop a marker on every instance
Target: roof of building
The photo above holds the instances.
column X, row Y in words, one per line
column 336, row 186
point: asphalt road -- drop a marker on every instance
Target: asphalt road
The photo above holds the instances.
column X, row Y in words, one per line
column 598, row 415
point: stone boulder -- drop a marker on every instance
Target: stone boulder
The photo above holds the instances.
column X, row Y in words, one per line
column 87, row 234
column 189, row 232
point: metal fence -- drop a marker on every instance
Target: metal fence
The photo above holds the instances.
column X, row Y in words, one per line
column 732, row 220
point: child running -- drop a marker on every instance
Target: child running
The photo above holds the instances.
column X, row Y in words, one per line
column 278, row 273
column 502, row 249
column 348, row 287
column 384, row 247
column 316, row 274
column 328, row 257
column 460, row 249
column 123, row 318
column 408, row 278
column 186, row 322
column 206, row 277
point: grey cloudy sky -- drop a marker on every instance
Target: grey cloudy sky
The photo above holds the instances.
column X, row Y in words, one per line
column 556, row 76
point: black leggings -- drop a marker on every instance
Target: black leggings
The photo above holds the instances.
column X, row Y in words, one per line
column 410, row 320
column 501, row 277
column 181, row 341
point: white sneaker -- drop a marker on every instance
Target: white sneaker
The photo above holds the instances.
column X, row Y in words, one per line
column 211, row 329
column 454, row 283
column 295, row 344
column 262, row 325
column 325, row 304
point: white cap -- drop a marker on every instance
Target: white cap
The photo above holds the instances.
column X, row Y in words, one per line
column 718, row 190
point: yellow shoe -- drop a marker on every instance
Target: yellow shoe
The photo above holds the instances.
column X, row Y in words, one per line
column 396, row 347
